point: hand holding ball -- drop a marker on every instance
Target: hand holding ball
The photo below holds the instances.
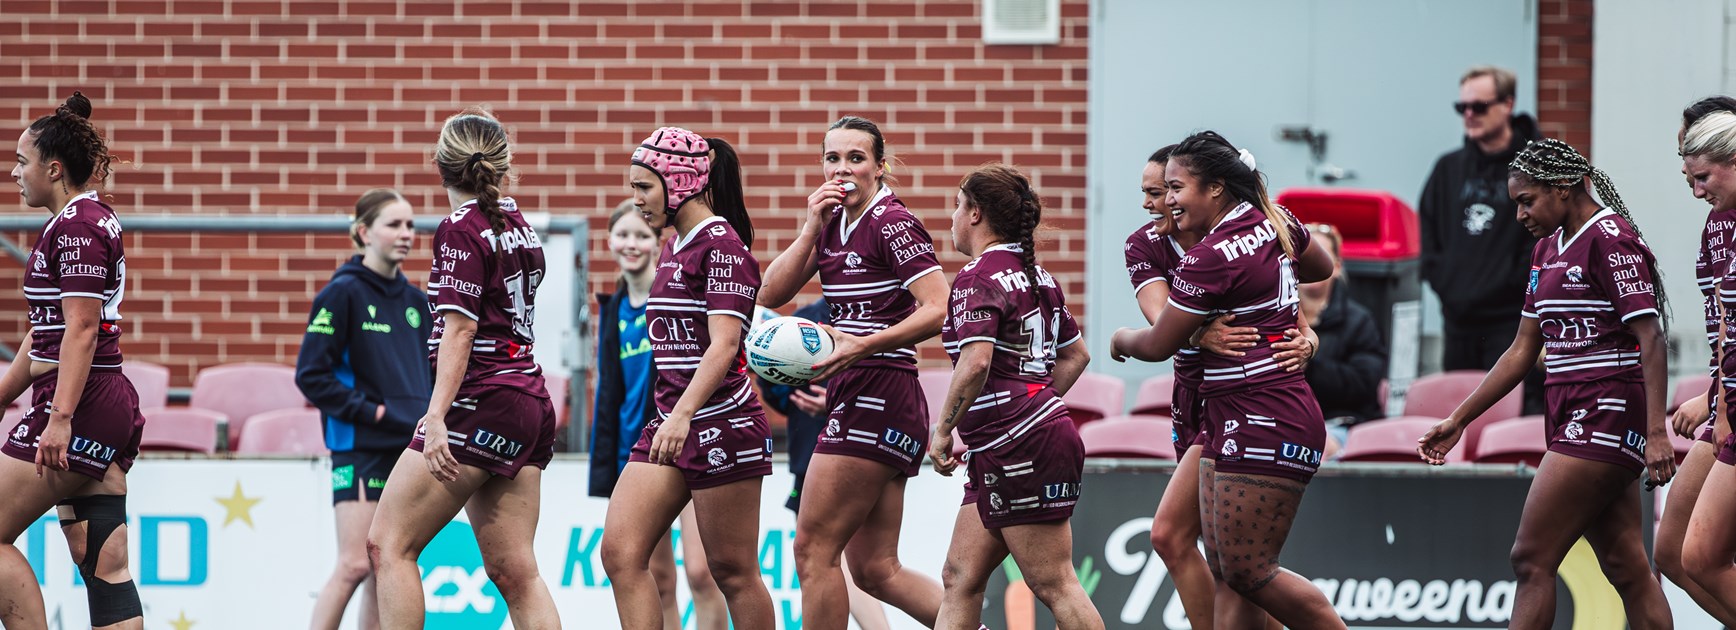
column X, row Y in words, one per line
column 784, row 350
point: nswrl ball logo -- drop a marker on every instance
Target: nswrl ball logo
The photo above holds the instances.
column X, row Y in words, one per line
column 455, row 588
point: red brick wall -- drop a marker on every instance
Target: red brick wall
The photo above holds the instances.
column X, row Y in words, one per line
column 291, row 106
column 1564, row 56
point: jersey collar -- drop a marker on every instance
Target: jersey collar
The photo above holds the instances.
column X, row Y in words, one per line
column 683, row 239
column 1561, row 246
column 845, row 228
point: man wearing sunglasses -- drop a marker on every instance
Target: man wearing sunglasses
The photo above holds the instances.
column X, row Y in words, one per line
column 1476, row 255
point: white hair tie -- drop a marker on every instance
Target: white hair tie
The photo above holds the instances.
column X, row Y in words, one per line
column 1246, row 157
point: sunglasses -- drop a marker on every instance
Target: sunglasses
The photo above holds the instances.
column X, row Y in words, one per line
column 1476, row 107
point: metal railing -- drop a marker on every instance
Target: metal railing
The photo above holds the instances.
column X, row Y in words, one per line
column 577, row 366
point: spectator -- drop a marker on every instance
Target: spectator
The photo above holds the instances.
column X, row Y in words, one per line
column 1345, row 373
column 1476, row 256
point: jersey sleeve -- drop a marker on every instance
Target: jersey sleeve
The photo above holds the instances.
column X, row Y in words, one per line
column 1069, row 331
column 1143, row 267
column 1529, row 309
column 907, row 247
column 459, row 273
column 81, row 255
column 975, row 310
column 1627, row 278
column 732, row 280
column 1201, row 283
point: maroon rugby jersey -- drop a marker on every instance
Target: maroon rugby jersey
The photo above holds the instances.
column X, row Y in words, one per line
column 1154, row 258
column 79, row 255
column 1241, row 268
column 1711, row 268
column 1584, row 288
column 866, row 269
column 993, row 301
column 703, row 273
column 493, row 280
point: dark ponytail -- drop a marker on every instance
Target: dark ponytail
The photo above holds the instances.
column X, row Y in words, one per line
column 724, row 185
column 67, row 135
column 1014, row 211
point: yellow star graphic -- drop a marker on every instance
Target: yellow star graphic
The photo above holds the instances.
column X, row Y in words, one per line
column 237, row 506
column 183, row 623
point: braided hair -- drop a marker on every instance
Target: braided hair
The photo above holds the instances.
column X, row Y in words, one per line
column 1555, row 163
column 474, row 157
column 67, row 135
column 1013, row 210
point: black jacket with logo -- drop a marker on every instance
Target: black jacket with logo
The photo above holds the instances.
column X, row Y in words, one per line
column 1476, row 255
column 367, row 345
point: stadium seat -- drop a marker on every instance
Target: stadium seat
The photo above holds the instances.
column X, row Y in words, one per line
column 1392, row 440
column 1094, row 397
column 1437, row 395
column 1154, row 397
column 1515, row 440
column 244, row 390
column 151, row 381
column 1129, row 437
column 181, row 429
column 1687, row 388
column 557, row 386
column 934, row 383
column 285, row 432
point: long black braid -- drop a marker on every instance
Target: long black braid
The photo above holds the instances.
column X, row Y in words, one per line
column 1555, row 163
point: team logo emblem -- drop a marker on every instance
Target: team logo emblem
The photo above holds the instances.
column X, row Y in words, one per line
column 1229, row 447
column 1574, row 430
column 710, row 435
column 718, row 230
column 879, row 210
column 1609, row 227
column 20, row 432
column 1578, row 414
column 413, row 316
column 810, row 339
column 995, row 500
column 832, row 426
column 716, row 456
column 40, row 262
column 1478, row 217
column 852, row 259
column 1575, row 274
column 1532, row 286
column 1230, row 426
column 990, row 479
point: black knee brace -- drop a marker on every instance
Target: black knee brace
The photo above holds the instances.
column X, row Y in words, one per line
column 102, row 514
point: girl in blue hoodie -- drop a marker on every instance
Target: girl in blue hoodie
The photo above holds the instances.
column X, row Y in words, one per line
column 364, row 363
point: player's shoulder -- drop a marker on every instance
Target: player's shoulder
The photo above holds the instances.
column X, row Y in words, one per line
column 890, row 212
column 1612, row 229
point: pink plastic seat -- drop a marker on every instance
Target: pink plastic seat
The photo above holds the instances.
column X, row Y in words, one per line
column 1094, row 397
column 1687, row 388
column 1155, row 396
column 557, row 386
column 1516, row 440
column 1437, row 395
column 1392, row 440
column 1129, row 437
column 181, row 429
column 151, row 381
column 244, row 390
column 285, row 432
column 934, row 383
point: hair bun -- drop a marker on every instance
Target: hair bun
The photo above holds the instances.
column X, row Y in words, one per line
column 77, row 104
column 1247, row 158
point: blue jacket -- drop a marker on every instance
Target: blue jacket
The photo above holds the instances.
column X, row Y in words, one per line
column 606, row 438
column 367, row 345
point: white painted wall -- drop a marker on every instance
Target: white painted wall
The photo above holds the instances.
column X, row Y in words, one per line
column 1650, row 61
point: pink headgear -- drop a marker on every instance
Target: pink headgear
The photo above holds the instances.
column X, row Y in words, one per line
column 681, row 159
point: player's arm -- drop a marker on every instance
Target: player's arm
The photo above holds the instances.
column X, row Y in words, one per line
column 1070, row 362
column 83, row 316
column 1508, row 373
column 930, row 293
column 968, row 375
column 1151, row 299
column 452, row 360
column 801, row 260
column 1654, row 366
column 719, row 358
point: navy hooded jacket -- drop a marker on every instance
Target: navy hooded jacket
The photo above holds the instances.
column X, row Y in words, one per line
column 367, row 345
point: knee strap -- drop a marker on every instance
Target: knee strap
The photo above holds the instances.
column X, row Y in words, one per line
column 102, row 514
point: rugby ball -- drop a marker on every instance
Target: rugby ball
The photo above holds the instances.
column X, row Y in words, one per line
column 784, row 350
